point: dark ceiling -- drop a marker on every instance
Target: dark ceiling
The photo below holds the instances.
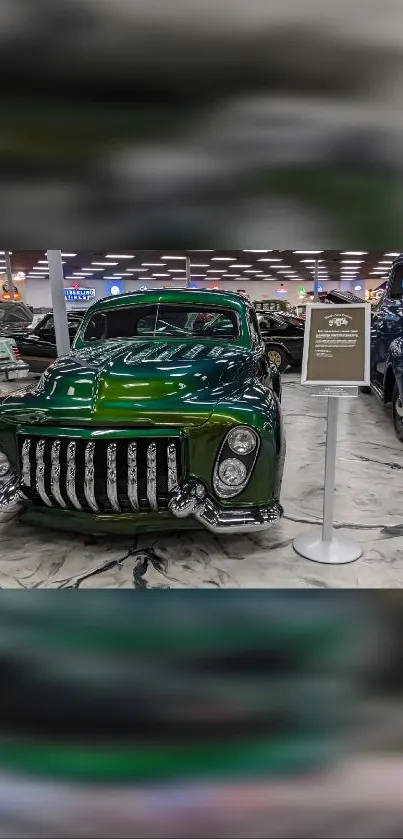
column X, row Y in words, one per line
column 237, row 265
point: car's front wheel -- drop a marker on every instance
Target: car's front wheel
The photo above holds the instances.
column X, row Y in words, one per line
column 397, row 408
column 279, row 357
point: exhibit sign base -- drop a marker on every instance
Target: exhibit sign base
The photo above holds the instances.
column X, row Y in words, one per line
column 324, row 545
column 338, row 551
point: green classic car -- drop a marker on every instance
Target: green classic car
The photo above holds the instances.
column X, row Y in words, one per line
column 166, row 412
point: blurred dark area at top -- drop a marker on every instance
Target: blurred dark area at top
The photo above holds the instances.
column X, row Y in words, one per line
column 222, row 123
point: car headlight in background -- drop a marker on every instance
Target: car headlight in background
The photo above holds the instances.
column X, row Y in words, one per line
column 231, row 474
column 4, row 466
column 242, row 440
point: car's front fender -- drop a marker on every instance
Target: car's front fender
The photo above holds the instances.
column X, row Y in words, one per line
column 394, row 369
column 259, row 408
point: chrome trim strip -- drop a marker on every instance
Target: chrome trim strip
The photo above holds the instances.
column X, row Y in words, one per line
column 132, row 484
column 55, row 474
column 152, row 476
column 111, row 481
column 194, row 351
column 40, row 473
column 71, row 475
column 89, row 487
column 26, row 464
column 172, row 467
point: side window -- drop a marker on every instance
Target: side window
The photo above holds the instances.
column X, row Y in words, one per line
column 378, row 305
column 396, row 286
column 48, row 324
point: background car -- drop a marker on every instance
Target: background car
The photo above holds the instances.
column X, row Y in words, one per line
column 272, row 305
column 387, row 346
column 38, row 345
column 283, row 336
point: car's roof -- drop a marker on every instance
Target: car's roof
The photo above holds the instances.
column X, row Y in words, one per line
column 173, row 295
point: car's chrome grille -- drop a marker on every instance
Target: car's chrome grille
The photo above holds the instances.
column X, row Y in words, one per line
column 103, row 476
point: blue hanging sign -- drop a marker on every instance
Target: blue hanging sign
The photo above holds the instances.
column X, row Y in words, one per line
column 75, row 294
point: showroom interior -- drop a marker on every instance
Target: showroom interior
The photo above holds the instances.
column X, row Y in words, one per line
column 44, row 298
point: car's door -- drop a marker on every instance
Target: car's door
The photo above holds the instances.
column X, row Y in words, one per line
column 386, row 323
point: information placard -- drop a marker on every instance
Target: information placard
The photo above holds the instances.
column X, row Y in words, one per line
column 337, row 345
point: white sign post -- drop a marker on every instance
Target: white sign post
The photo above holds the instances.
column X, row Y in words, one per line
column 336, row 360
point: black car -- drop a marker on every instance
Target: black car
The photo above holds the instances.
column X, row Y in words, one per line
column 38, row 346
column 283, row 335
column 387, row 346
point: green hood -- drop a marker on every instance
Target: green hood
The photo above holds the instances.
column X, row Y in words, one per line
column 148, row 382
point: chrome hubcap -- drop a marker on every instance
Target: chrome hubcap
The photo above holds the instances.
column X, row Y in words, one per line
column 275, row 357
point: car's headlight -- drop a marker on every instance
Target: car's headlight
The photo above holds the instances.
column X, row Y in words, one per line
column 231, row 474
column 242, row 440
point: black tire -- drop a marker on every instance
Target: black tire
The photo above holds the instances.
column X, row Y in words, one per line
column 365, row 389
column 397, row 420
column 278, row 357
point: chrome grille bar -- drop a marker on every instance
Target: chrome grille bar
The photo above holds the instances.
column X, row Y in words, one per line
column 111, row 481
column 132, row 480
column 71, row 475
column 172, row 467
column 40, row 473
column 55, row 474
column 152, row 476
column 89, row 484
column 26, row 465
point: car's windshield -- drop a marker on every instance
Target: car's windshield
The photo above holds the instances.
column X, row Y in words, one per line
column 161, row 320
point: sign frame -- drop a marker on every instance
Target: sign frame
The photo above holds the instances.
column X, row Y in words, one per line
column 331, row 307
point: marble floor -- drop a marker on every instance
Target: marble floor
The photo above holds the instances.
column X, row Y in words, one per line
column 368, row 509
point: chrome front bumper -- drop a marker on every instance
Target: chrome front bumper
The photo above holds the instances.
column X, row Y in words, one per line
column 185, row 501
column 191, row 500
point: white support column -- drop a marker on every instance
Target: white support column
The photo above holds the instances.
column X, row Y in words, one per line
column 58, row 302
